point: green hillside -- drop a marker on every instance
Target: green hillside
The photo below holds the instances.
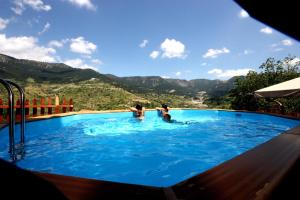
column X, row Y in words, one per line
column 92, row 90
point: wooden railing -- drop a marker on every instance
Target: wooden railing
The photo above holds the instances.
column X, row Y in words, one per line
column 43, row 107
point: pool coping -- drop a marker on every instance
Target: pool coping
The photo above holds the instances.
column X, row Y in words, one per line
column 258, row 173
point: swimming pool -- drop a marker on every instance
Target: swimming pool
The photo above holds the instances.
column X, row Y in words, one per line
column 117, row 147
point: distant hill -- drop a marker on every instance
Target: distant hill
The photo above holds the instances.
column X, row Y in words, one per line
column 148, row 84
column 20, row 70
column 40, row 72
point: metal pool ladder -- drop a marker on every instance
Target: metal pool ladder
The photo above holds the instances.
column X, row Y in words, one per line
column 15, row 150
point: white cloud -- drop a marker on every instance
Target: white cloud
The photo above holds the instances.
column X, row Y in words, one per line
column 154, row 54
column 294, row 62
column 144, row 43
column 266, row 30
column 26, row 48
column 215, row 71
column 243, row 14
column 84, row 4
column 55, row 43
column 247, row 51
column 80, row 45
column 204, row 64
column 3, row 23
column 287, row 42
column 280, row 45
column 19, row 7
column 229, row 73
column 177, row 73
column 97, row 61
column 213, row 53
column 172, row 49
column 46, row 28
column 38, row 5
column 165, row 77
column 277, row 49
column 78, row 63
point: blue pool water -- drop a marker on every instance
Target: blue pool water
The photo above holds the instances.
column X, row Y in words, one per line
column 117, row 147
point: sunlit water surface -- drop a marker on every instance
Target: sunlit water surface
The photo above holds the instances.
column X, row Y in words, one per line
column 117, row 147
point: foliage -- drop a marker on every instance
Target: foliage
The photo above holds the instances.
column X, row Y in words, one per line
column 223, row 102
column 272, row 72
column 96, row 95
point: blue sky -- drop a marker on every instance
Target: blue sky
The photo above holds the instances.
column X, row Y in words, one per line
column 184, row 39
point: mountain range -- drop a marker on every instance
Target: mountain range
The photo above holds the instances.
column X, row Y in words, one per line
column 21, row 70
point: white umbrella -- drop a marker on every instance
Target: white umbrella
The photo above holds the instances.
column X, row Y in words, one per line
column 284, row 89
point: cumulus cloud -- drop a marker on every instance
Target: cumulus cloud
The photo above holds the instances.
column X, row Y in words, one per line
column 84, row 4
column 243, row 14
column 3, row 23
column 78, row 63
column 295, row 61
column 154, row 54
column 26, row 48
column 45, row 29
column 229, row 73
column 213, row 53
column 82, row 46
column 178, row 74
column 38, row 5
column 172, row 48
column 290, row 63
column 144, row 43
column 287, row 42
column 55, row 44
column 281, row 45
column 266, row 30
column 97, row 61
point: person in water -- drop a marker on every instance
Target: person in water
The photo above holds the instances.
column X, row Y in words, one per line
column 138, row 111
column 167, row 118
column 164, row 113
column 163, row 110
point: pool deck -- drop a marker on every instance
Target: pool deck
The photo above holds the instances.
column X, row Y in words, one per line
column 268, row 171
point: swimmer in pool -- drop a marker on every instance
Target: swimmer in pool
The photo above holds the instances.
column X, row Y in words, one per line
column 138, row 111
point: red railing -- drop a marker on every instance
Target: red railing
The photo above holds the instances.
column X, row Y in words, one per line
column 41, row 108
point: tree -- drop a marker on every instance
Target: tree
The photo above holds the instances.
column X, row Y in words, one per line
column 272, row 72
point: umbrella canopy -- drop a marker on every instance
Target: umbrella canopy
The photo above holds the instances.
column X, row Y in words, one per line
column 284, row 89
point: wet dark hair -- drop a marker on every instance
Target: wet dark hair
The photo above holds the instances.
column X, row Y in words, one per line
column 138, row 107
column 165, row 106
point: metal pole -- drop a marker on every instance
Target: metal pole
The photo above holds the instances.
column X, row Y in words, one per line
column 11, row 118
column 22, row 97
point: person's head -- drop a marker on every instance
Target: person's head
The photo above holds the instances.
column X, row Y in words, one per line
column 138, row 107
column 167, row 117
column 164, row 106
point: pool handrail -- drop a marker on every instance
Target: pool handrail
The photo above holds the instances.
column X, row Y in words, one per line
column 22, row 98
column 11, row 118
